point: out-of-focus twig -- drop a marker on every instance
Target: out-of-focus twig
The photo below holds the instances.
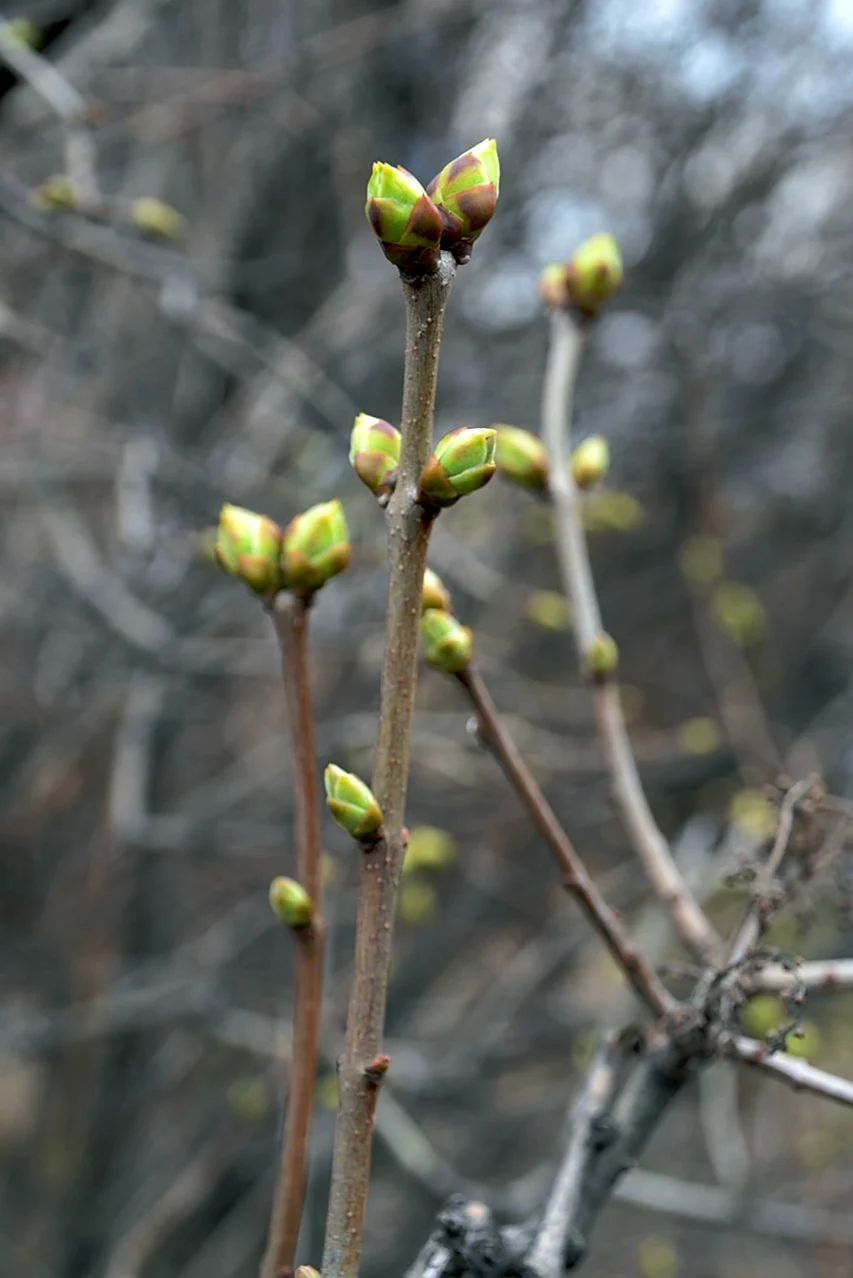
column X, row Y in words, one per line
column 798, row 1073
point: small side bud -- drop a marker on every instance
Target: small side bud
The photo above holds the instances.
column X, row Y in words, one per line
column 602, row 656
column 56, row 195
column 521, row 457
column 316, row 547
column 466, row 194
column 290, row 902
column 590, row 461
column 352, row 803
column 448, row 645
column 374, row 453
column 248, row 546
column 593, row 274
column 463, row 461
column 156, row 217
column 435, row 593
column 552, row 286
column 404, row 219
column 377, row 1069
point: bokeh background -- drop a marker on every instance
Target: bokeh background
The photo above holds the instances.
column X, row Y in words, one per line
column 144, row 767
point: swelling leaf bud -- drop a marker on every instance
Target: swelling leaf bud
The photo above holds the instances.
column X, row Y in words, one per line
column 447, row 644
column 156, row 217
column 463, row 461
column 435, row 593
column 352, row 803
column 590, row 461
column 291, row 903
column 56, row 195
column 522, row 457
column 248, row 546
column 593, row 274
column 316, row 547
column 374, row 453
column 404, row 219
column 602, row 656
column 466, row 193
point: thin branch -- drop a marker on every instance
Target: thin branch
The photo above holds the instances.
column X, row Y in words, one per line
column 290, row 618
column 408, row 535
column 798, row 1073
column 567, row 340
column 576, row 880
column 821, row 975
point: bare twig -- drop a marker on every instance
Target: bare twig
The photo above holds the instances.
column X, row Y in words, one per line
column 802, row 1076
column 823, row 975
column 567, row 338
column 576, row 880
column 408, row 535
column 290, row 617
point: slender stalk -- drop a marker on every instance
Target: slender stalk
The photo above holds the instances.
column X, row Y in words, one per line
column 290, row 618
column 802, row 1076
column 567, row 342
column 576, row 880
column 408, row 535
column 823, row 975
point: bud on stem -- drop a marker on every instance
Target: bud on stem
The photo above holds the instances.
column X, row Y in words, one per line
column 435, row 593
column 248, row 546
column 587, row 280
column 466, row 194
column 404, row 219
column 602, row 657
column 448, row 645
column 316, row 547
column 590, row 461
column 521, row 457
column 374, row 453
column 291, row 903
column 352, row 803
column 463, row 461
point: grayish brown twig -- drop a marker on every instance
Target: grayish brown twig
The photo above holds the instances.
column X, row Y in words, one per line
column 798, row 1073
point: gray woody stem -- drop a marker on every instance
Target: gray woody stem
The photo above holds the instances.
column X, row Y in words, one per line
column 408, row 535
column 567, row 341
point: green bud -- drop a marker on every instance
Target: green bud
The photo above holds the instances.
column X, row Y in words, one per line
column 290, row 902
column 552, row 286
column 602, row 656
column 593, row 274
column 248, row 546
column 374, row 453
column 306, row 1271
column 447, row 644
column 352, row 803
column 522, row 457
column 20, row 33
column 157, row 218
column 466, row 193
column 404, row 219
column 435, row 593
column 316, row 547
column 590, row 461
column 56, row 194
column 463, row 461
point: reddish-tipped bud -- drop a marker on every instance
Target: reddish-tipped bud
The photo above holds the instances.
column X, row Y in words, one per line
column 374, row 453
column 290, row 902
column 602, row 656
column 587, row 280
column 248, row 546
column 463, row 461
column 404, row 219
column 377, row 1069
column 590, row 461
column 435, row 593
column 521, row 457
column 316, row 547
column 447, row 644
column 351, row 802
column 466, row 194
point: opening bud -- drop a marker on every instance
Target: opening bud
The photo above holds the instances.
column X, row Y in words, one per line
column 290, row 902
column 248, row 546
column 316, row 547
column 466, row 194
column 463, row 461
column 590, row 461
column 156, row 217
column 352, row 803
column 374, row 453
column 522, row 457
column 404, row 219
column 448, row 645
column 602, row 656
column 435, row 593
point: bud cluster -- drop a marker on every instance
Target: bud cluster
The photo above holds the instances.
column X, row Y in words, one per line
column 590, row 277
column 312, row 549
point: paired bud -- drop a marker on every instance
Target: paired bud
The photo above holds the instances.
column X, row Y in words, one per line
column 248, row 546
column 463, row 461
column 435, row 593
column 156, row 217
column 291, row 903
column 590, row 461
column 448, row 645
column 404, row 219
column 316, row 547
column 602, row 656
column 587, row 280
column 374, row 453
column 522, row 457
column 466, row 194
column 352, row 803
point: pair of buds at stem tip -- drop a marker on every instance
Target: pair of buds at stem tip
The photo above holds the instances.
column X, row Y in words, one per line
column 312, row 549
column 521, row 457
column 463, row 461
column 590, row 277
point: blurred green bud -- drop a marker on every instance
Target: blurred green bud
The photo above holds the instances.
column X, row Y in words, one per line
column 316, row 547
column 306, row 1271
column 521, row 457
column 156, row 217
column 590, row 461
column 552, row 286
column 352, row 803
column 602, row 656
column 466, row 194
column 290, row 902
column 20, row 33
column 435, row 593
column 56, row 194
column 593, row 274
column 463, row 461
column 374, row 453
column 404, row 219
column 248, row 546
column 447, row 644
